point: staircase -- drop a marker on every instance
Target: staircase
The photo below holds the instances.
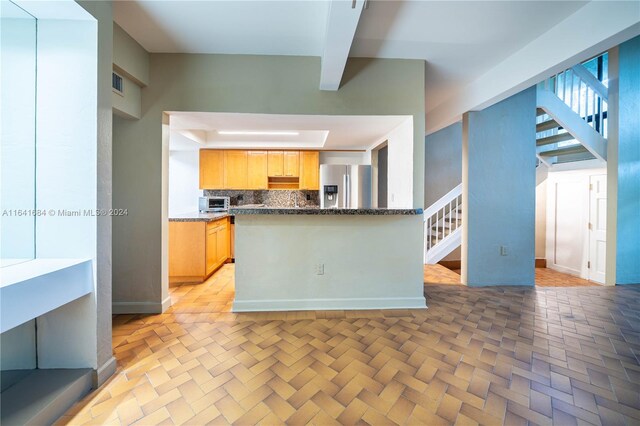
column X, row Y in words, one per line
column 443, row 226
column 571, row 125
column 571, row 122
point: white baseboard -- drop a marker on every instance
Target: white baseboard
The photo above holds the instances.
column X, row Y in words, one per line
column 104, row 372
column 328, row 304
column 141, row 307
column 565, row 270
column 166, row 303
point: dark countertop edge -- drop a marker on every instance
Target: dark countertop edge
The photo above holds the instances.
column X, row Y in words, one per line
column 325, row 212
column 198, row 217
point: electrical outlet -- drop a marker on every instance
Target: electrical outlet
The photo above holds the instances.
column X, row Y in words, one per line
column 503, row 250
column 320, row 269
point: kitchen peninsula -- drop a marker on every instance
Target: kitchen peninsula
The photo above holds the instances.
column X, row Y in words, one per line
column 317, row 259
column 199, row 243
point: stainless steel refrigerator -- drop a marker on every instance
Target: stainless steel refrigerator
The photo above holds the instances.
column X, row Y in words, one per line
column 345, row 186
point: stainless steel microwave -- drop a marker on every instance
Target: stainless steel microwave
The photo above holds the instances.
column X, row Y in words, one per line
column 213, row 204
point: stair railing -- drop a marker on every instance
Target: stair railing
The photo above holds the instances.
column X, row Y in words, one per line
column 444, row 215
column 583, row 93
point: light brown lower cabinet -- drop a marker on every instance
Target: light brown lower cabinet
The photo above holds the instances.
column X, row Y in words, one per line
column 197, row 249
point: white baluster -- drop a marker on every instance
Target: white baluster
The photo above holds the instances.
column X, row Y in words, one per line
column 570, row 103
column 450, row 215
column 600, row 114
column 579, row 95
column 593, row 112
column 437, row 233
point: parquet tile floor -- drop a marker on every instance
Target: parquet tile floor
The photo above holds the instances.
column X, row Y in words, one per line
column 488, row 356
column 544, row 277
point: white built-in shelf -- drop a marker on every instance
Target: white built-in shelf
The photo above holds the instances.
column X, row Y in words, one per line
column 33, row 288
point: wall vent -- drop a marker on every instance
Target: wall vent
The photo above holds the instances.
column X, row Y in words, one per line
column 117, row 83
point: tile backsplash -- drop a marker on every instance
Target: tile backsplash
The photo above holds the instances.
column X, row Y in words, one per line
column 279, row 198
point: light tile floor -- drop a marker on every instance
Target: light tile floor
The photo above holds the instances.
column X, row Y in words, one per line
column 500, row 355
column 545, row 277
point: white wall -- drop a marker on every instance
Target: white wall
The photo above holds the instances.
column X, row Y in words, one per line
column 342, row 157
column 567, row 239
column 17, row 152
column 399, row 165
column 370, row 262
column 66, row 179
column 18, row 347
column 184, row 180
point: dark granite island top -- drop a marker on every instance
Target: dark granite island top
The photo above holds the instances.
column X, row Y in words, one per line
column 322, row 212
column 198, row 217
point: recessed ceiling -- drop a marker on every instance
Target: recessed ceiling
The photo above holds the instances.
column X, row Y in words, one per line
column 195, row 130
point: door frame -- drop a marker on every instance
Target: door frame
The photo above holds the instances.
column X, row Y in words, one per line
column 374, row 172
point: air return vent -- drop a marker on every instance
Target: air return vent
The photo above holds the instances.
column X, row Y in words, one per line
column 117, row 83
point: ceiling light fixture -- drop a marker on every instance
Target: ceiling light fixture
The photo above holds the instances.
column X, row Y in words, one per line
column 258, row 133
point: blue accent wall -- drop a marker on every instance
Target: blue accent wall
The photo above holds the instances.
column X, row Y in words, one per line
column 628, row 228
column 442, row 162
column 499, row 159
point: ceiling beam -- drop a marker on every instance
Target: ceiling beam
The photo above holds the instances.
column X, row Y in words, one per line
column 341, row 28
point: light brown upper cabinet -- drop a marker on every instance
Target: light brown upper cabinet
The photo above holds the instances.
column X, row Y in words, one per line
column 291, row 164
column 257, row 170
column 283, row 164
column 211, row 169
column 310, row 170
column 275, row 164
column 235, row 170
column 240, row 169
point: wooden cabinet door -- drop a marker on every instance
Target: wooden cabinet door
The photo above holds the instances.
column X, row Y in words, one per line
column 235, row 169
column 211, row 169
column 275, row 163
column 211, row 249
column 187, row 249
column 291, row 163
column 222, row 244
column 309, row 170
column 257, row 170
column 227, row 241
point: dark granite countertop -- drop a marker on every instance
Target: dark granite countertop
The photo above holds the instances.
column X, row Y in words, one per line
column 322, row 212
column 198, row 217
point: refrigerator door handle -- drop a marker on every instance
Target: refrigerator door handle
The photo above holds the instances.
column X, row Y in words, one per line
column 345, row 194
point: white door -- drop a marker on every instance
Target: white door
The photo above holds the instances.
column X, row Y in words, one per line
column 597, row 227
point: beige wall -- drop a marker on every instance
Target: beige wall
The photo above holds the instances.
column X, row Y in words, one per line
column 129, row 57
column 369, row 262
column 131, row 61
column 127, row 104
column 234, row 83
column 102, row 11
